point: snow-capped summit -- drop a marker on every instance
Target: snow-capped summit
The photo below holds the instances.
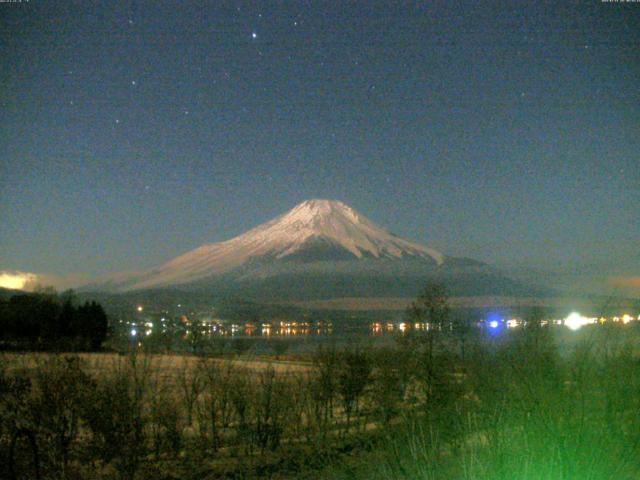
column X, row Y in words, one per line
column 310, row 226
column 337, row 222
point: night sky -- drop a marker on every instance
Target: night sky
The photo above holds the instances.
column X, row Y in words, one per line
column 508, row 132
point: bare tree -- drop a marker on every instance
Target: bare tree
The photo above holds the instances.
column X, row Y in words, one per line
column 431, row 308
column 165, row 418
column 190, row 383
column 115, row 412
column 60, row 385
column 353, row 377
column 324, row 387
column 216, row 408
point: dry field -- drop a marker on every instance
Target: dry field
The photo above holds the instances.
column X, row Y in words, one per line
column 169, row 364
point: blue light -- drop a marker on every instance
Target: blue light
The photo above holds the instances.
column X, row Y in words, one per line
column 494, row 323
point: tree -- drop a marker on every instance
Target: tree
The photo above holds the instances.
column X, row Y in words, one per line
column 36, row 316
column 92, row 325
column 191, row 383
column 432, row 308
column 48, row 320
column 216, row 409
column 115, row 412
column 66, row 324
column 99, row 326
column 324, row 386
column 353, row 377
column 389, row 384
column 271, row 406
column 62, row 383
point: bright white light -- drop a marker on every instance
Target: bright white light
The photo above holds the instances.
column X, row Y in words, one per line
column 626, row 318
column 133, row 332
column 139, row 308
column 16, row 280
column 493, row 324
column 574, row 321
column 254, row 35
column 512, row 323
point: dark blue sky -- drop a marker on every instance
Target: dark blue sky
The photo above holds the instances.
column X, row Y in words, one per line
column 504, row 131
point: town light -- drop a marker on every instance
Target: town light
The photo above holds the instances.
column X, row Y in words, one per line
column 574, row 321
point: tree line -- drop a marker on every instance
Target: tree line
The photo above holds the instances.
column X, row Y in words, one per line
column 46, row 320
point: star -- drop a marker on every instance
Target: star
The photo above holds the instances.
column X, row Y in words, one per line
column 133, row 82
column 254, row 35
column 117, row 120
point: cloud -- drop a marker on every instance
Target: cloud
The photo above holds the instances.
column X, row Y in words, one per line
column 28, row 281
column 17, row 280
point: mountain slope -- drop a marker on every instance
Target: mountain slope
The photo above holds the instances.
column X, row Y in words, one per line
column 320, row 249
column 313, row 230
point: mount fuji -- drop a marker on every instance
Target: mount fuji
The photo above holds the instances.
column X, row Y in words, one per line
column 318, row 249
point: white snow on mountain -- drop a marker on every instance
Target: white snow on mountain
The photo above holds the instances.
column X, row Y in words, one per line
column 328, row 220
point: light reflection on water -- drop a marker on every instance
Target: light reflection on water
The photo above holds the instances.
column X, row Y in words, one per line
column 188, row 329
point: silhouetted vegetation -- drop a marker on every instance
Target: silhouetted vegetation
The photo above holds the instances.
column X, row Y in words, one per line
column 45, row 320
